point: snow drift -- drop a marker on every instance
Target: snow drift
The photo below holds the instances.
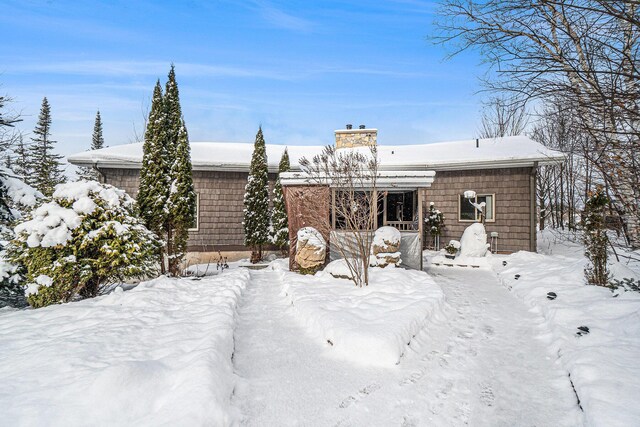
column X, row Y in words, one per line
column 159, row 354
column 370, row 325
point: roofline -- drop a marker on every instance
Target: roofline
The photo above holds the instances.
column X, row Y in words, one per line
column 244, row 167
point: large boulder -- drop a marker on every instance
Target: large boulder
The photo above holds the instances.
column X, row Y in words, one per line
column 386, row 247
column 474, row 241
column 311, row 249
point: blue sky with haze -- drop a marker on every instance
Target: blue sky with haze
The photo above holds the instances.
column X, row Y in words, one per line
column 299, row 68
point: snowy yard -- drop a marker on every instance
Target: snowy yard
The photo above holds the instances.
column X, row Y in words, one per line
column 456, row 346
column 159, row 354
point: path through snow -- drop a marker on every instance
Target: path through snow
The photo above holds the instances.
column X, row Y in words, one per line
column 483, row 363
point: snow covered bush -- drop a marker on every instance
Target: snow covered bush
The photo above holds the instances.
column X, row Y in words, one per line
column 87, row 236
column 452, row 247
column 435, row 223
column 595, row 238
column 15, row 197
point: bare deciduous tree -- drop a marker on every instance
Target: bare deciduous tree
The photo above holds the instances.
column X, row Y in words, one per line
column 352, row 173
column 502, row 117
column 582, row 53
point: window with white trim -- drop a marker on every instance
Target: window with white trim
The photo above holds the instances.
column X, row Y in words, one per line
column 467, row 212
column 197, row 225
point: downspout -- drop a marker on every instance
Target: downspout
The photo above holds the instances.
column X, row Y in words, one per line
column 533, row 243
column 101, row 177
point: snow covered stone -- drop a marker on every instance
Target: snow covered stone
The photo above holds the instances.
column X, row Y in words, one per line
column 311, row 249
column 386, row 246
column 339, row 269
column 474, row 241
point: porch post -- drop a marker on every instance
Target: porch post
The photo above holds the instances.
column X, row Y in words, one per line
column 420, row 223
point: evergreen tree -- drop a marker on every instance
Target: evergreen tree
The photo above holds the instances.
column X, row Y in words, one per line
column 97, row 142
column 174, row 123
column 256, row 200
column 47, row 168
column 280, row 223
column 595, row 237
column 182, row 202
column 154, row 180
column 22, row 164
column 181, row 205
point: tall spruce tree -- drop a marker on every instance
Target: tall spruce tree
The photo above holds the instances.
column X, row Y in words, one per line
column 154, row 179
column 256, row 201
column 279, row 221
column 182, row 201
column 166, row 197
column 21, row 162
column 97, row 142
column 181, row 205
column 47, row 167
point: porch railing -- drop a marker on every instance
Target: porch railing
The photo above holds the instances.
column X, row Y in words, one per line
column 403, row 225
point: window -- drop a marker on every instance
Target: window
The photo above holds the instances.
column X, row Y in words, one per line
column 351, row 210
column 197, row 224
column 468, row 213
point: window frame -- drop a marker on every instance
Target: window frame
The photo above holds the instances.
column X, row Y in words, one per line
column 492, row 195
column 197, row 227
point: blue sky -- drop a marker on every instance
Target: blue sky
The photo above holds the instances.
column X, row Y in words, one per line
column 299, row 68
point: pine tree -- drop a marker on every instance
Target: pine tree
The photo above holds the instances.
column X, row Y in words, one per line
column 256, row 200
column 280, row 223
column 154, row 180
column 97, row 142
column 22, row 164
column 182, row 201
column 47, row 168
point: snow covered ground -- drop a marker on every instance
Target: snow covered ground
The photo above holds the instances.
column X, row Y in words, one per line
column 603, row 364
column 159, row 354
column 371, row 325
column 478, row 361
column 475, row 346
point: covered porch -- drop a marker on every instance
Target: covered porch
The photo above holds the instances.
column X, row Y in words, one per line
column 398, row 203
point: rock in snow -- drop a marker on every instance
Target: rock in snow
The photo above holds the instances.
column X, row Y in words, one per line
column 311, row 248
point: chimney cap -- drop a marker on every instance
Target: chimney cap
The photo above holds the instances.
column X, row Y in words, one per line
column 362, row 127
column 349, row 126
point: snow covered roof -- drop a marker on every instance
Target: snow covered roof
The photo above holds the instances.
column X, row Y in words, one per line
column 233, row 156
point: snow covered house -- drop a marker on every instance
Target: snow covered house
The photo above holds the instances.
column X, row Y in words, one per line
column 501, row 171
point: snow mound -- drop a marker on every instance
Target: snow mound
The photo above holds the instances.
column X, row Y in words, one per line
column 603, row 364
column 473, row 242
column 159, row 354
column 370, row 325
column 339, row 268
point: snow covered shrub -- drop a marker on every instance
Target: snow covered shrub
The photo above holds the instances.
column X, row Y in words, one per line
column 435, row 224
column 87, row 236
column 452, row 247
column 595, row 238
column 15, row 196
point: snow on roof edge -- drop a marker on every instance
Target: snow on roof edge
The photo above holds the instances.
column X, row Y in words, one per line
column 234, row 156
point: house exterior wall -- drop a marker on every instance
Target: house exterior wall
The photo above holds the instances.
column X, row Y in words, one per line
column 514, row 190
column 221, row 204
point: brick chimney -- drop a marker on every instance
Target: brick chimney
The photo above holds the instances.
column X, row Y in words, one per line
column 361, row 137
